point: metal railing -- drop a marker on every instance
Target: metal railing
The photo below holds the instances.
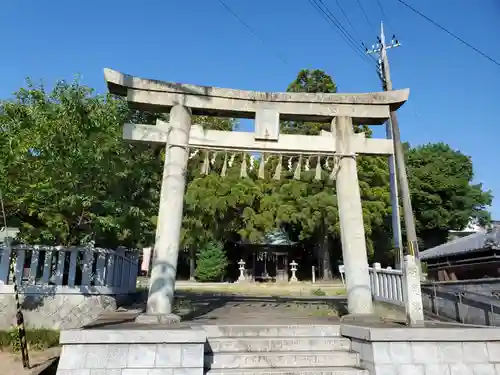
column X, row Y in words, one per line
column 55, row 269
column 453, row 300
column 387, row 284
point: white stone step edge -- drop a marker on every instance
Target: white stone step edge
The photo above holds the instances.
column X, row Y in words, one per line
column 290, row 371
column 250, row 344
column 273, row 359
column 300, row 330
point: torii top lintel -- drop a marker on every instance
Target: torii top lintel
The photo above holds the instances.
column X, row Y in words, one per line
column 152, row 95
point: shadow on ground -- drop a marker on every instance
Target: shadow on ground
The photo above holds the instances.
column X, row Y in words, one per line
column 50, row 370
column 207, row 306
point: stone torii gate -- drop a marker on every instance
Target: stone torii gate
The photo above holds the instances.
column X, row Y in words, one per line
column 179, row 135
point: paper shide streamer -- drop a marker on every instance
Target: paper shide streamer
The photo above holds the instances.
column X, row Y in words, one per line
column 296, row 164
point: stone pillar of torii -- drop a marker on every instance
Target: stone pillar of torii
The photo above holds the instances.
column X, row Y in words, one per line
column 335, row 151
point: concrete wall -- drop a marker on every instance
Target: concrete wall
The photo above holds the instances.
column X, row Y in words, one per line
column 59, row 311
column 132, row 352
column 426, row 351
column 471, row 302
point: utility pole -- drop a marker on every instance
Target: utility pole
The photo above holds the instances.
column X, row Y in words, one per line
column 410, row 265
column 411, row 233
column 381, row 50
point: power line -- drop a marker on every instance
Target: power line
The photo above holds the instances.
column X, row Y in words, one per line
column 334, row 19
column 249, row 28
column 332, row 23
column 366, row 15
column 337, row 26
column 347, row 18
column 384, row 15
column 450, row 33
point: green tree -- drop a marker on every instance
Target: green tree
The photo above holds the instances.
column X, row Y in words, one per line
column 443, row 194
column 199, row 227
column 67, row 175
column 313, row 209
column 211, row 263
column 309, row 81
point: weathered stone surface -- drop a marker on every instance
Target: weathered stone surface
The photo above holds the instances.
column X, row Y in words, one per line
column 448, row 352
column 438, row 355
column 483, row 369
column 117, row 82
column 413, row 369
column 168, row 356
column 59, row 311
column 282, row 359
column 133, row 334
column 291, row 371
column 106, row 372
column 443, row 332
column 133, row 351
column 206, row 138
column 161, row 371
column 370, row 108
column 425, row 352
column 192, row 355
column 158, row 319
column 96, row 356
column 304, row 330
column 437, row 370
column 135, row 371
column 72, row 358
column 186, row 371
column 493, row 351
column 117, row 356
column 141, row 356
column 412, row 294
column 359, row 294
column 475, row 352
column 281, row 344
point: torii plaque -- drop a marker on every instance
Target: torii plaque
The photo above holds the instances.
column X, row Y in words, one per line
column 182, row 100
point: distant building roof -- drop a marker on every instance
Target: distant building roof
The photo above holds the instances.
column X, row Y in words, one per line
column 277, row 238
column 470, row 243
column 470, row 228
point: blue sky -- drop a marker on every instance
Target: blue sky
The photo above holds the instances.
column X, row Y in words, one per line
column 453, row 89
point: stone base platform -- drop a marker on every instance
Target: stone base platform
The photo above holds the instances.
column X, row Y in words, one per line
column 116, row 344
column 437, row 348
column 132, row 349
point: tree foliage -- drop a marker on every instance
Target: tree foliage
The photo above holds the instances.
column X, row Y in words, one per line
column 68, row 177
column 443, row 193
column 211, row 262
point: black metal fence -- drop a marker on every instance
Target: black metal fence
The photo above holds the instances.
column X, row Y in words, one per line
column 470, row 302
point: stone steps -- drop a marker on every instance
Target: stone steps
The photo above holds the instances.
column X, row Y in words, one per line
column 268, row 360
column 299, row 349
column 302, row 330
column 276, row 344
column 291, row 371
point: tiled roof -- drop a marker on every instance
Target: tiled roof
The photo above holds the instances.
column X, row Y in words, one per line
column 470, row 243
